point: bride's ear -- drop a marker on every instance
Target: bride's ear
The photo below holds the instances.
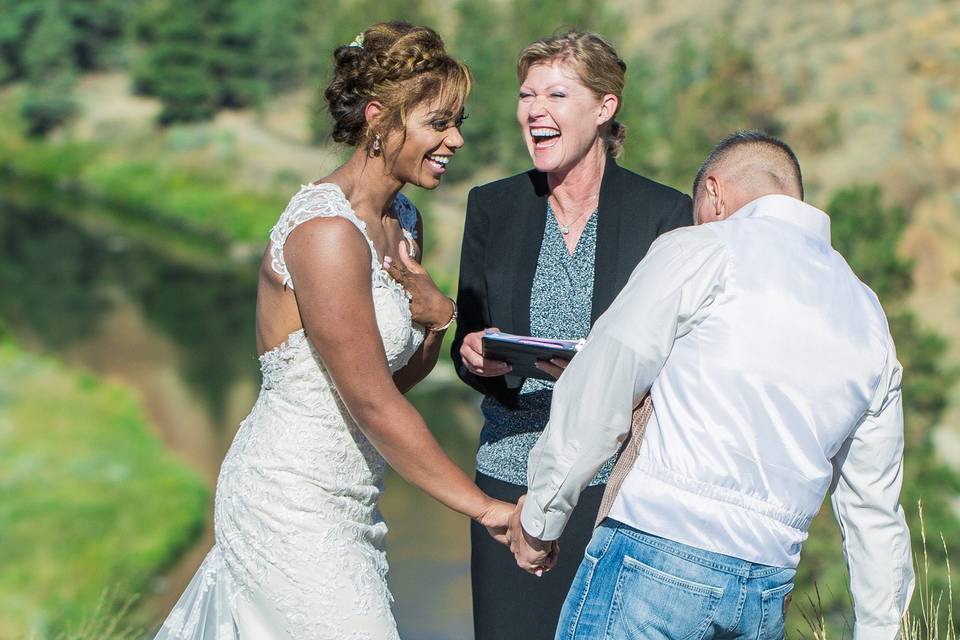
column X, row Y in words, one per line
column 372, row 113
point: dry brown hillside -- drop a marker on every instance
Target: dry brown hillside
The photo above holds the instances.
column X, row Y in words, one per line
column 884, row 77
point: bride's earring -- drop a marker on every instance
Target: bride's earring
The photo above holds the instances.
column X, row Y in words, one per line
column 377, row 145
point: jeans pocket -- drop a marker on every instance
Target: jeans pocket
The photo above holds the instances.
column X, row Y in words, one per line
column 650, row 604
column 773, row 612
column 599, row 542
column 573, row 620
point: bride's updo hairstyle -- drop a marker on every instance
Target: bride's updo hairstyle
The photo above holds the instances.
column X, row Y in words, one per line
column 400, row 66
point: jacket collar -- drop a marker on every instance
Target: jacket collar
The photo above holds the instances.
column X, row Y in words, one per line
column 529, row 235
column 790, row 210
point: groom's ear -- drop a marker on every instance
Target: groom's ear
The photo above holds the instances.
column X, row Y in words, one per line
column 715, row 197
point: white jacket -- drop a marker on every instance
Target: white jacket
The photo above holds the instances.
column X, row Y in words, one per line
column 774, row 380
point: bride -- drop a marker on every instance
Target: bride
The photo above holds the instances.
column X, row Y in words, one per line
column 347, row 320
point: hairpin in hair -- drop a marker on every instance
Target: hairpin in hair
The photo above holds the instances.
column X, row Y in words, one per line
column 358, row 41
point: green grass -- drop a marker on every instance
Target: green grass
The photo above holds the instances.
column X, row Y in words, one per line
column 930, row 616
column 90, row 502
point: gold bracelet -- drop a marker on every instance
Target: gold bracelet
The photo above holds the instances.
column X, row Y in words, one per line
column 453, row 316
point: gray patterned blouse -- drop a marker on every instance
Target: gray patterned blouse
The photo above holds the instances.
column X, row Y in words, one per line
column 560, row 307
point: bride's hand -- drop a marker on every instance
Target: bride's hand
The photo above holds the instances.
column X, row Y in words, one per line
column 428, row 305
column 496, row 518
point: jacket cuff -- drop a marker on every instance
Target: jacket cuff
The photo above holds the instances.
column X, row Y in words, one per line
column 540, row 525
column 873, row 632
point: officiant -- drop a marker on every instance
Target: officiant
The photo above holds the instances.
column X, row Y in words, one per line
column 544, row 254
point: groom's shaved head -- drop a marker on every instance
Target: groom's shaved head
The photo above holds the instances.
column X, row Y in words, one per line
column 758, row 163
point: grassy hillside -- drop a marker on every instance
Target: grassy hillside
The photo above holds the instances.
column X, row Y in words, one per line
column 90, row 503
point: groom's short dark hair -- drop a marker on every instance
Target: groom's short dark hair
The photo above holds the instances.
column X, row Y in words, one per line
column 757, row 138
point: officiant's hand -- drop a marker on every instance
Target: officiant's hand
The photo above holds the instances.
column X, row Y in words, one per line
column 532, row 554
column 471, row 351
column 553, row 367
column 429, row 307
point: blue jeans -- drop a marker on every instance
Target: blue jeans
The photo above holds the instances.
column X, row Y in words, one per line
column 636, row 586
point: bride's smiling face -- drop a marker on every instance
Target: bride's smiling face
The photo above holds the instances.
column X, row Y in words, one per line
column 432, row 138
column 559, row 116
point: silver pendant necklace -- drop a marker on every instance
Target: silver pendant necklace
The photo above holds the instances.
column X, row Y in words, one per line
column 565, row 228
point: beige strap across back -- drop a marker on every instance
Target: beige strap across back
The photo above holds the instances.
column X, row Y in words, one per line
column 628, row 454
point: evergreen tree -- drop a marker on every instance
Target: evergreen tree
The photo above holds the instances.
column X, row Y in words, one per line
column 203, row 55
column 49, row 71
column 176, row 65
column 490, row 135
column 17, row 20
column 232, row 54
column 676, row 111
column 96, row 28
column 99, row 28
column 281, row 44
column 867, row 234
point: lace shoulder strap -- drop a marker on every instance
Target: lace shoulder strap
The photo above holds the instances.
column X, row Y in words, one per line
column 312, row 201
column 406, row 214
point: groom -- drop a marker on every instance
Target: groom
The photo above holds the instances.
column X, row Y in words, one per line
column 774, row 380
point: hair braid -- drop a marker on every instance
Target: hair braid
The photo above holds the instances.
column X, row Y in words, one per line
column 398, row 65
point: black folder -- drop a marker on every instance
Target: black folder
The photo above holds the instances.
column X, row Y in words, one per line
column 522, row 352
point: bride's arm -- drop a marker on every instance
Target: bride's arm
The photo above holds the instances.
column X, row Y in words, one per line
column 425, row 359
column 421, row 363
column 329, row 263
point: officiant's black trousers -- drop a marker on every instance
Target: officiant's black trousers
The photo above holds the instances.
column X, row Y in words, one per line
column 508, row 602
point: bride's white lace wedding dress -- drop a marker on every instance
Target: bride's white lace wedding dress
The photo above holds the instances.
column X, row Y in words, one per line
column 299, row 549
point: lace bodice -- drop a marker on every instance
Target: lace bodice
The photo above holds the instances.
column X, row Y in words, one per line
column 299, row 538
column 327, row 200
column 401, row 337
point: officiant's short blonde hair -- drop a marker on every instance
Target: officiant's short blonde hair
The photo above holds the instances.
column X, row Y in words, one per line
column 597, row 65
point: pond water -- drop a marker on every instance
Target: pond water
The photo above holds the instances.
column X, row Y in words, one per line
column 180, row 332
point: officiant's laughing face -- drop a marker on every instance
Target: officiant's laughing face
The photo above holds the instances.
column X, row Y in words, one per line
column 559, row 116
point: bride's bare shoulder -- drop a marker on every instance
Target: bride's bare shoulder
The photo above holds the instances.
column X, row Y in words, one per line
column 328, row 245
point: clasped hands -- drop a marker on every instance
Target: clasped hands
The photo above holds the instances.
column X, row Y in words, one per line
column 532, row 554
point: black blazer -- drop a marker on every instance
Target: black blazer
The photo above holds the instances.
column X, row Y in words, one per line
column 501, row 246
